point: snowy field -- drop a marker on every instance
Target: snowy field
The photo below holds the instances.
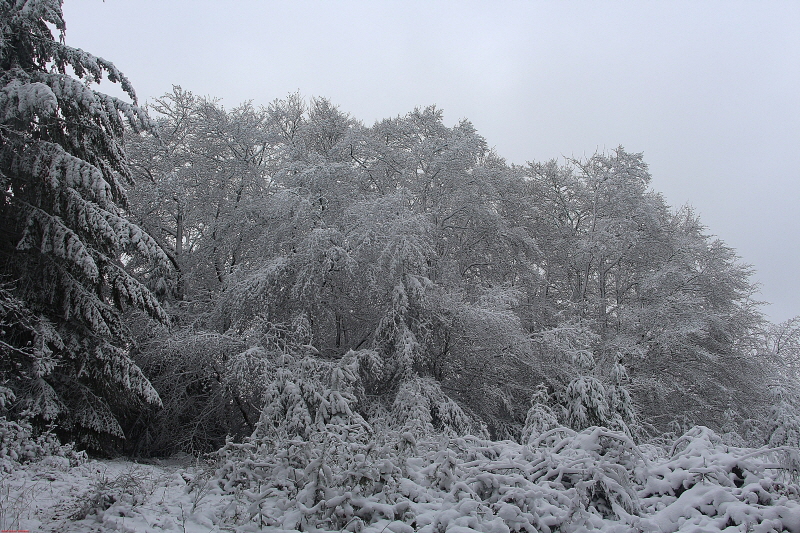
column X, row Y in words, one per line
column 116, row 495
column 563, row 481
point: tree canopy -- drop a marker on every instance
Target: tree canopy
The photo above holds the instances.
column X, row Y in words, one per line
column 443, row 274
column 294, row 264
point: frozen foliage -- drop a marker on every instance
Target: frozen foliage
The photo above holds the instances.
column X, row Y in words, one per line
column 19, row 446
column 707, row 485
column 583, row 394
column 593, row 480
column 596, row 479
column 71, row 260
column 458, row 273
column 540, row 418
column 784, row 423
column 314, row 463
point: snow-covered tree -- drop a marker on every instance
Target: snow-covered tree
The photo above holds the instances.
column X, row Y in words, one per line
column 201, row 184
column 415, row 243
column 667, row 301
column 66, row 243
column 695, row 309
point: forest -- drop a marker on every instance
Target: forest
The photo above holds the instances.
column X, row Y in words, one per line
column 366, row 327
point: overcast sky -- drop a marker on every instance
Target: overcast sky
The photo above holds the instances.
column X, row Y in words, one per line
column 709, row 91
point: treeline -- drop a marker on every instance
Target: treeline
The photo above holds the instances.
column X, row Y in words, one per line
column 461, row 288
column 285, row 266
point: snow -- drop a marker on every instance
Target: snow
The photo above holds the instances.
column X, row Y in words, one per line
column 595, row 480
column 119, row 495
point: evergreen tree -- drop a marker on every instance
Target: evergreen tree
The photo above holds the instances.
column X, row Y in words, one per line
column 65, row 244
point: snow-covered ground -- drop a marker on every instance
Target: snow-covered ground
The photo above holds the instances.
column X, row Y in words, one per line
column 592, row 480
column 96, row 496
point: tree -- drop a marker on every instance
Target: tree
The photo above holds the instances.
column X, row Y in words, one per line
column 66, row 244
column 201, row 182
column 461, row 281
column 775, row 351
column 669, row 303
column 692, row 313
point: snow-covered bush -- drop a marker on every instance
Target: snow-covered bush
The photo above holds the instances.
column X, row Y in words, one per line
column 784, row 422
column 421, row 406
column 188, row 368
column 585, row 392
column 309, row 443
column 705, row 485
column 211, row 384
column 129, row 488
column 563, row 480
column 18, row 445
column 540, row 417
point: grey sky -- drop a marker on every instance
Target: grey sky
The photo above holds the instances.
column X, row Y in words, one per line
column 709, row 91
